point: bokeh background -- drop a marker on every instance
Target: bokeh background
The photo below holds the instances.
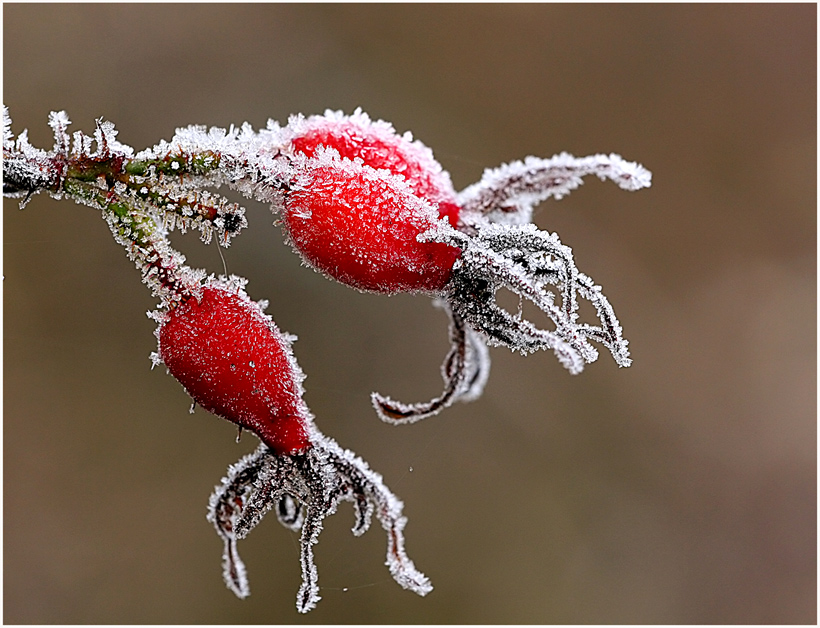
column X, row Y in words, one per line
column 682, row 489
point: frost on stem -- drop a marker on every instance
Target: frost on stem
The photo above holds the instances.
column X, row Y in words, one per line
column 166, row 183
column 304, row 489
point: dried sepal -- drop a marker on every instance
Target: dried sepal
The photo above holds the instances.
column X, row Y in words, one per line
column 224, row 508
column 290, row 513
column 609, row 332
column 508, row 193
column 465, row 371
column 306, row 488
column 527, row 261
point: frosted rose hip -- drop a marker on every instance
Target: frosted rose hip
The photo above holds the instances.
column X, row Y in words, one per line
column 234, row 362
column 360, row 226
column 378, row 145
column 366, row 206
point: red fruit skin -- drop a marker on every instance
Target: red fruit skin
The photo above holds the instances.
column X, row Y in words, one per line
column 380, row 147
column 235, row 363
column 359, row 226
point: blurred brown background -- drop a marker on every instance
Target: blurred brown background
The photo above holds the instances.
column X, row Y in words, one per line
column 680, row 490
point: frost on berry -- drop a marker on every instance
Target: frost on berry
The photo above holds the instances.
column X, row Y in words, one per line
column 235, row 363
column 377, row 145
column 360, row 225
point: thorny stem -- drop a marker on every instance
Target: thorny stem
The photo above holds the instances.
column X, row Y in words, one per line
column 166, row 182
column 141, row 198
column 162, row 268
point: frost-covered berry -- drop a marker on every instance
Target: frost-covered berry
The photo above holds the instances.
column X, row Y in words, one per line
column 234, row 362
column 362, row 197
column 374, row 210
column 360, row 226
column 377, row 145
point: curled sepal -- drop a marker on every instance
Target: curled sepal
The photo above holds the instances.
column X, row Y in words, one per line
column 465, row 371
column 305, row 488
column 508, row 193
column 527, row 261
column 227, row 503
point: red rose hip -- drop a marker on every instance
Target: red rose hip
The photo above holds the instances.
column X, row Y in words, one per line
column 374, row 210
column 235, row 363
column 360, row 226
column 377, row 145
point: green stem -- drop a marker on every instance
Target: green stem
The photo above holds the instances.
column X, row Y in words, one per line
column 162, row 268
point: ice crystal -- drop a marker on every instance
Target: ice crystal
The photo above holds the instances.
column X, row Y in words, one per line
column 384, row 149
column 59, row 122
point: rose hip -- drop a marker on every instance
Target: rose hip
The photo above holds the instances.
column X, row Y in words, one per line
column 235, row 363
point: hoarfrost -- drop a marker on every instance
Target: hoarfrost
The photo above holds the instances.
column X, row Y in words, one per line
column 7, row 134
column 144, row 195
column 413, row 159
column 154, row 356
column 59, row 122
column 526, row 261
